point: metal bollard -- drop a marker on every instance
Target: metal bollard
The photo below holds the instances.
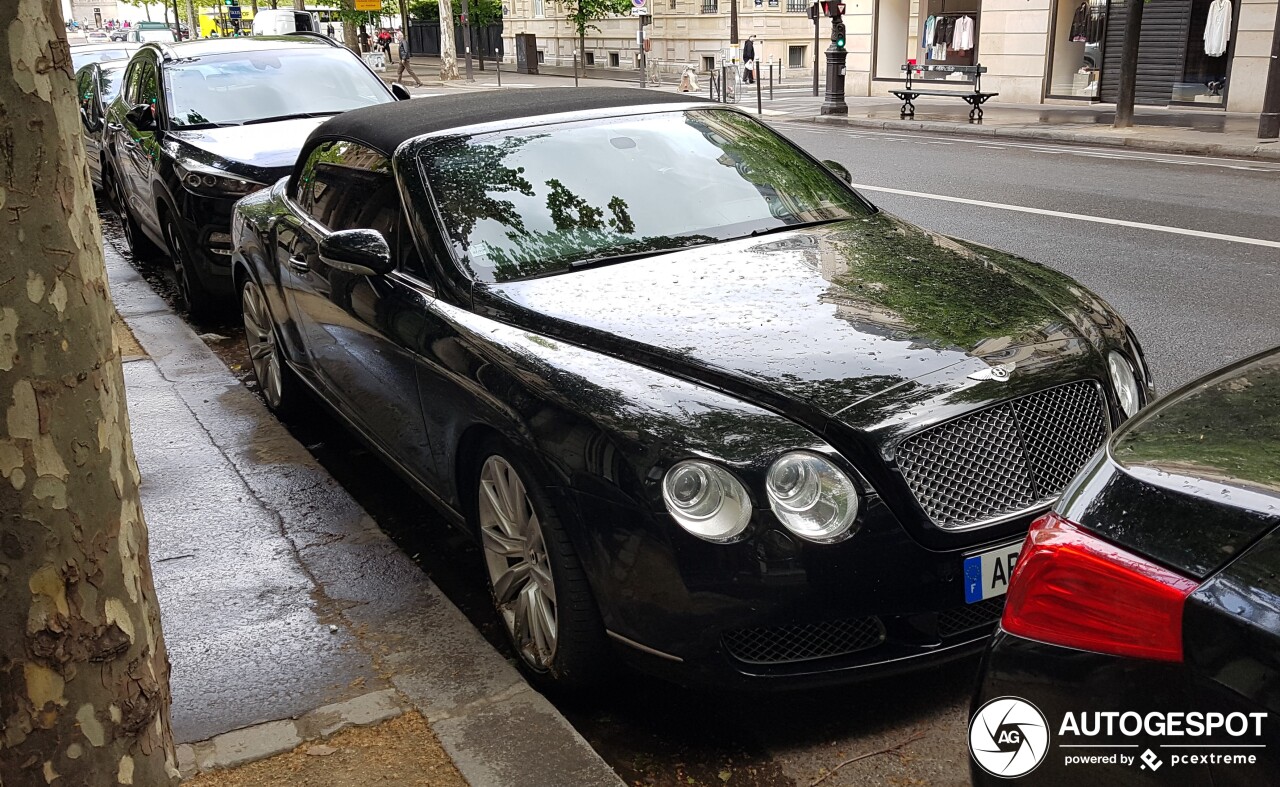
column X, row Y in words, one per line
column 575, row 69
column 497, row 63
column 759, row 99
column 771, row 81
column 724, row 84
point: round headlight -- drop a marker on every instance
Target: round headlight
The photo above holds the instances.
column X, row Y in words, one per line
column 706, row 500
column 812, row 497
column 1126, row 386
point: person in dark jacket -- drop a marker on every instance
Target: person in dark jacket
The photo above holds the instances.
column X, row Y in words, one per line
column 402, row 51
column 749, row 60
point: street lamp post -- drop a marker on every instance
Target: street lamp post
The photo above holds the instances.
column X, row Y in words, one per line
column 833, row 102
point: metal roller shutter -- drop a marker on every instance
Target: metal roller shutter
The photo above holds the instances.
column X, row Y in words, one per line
column 1161, row 49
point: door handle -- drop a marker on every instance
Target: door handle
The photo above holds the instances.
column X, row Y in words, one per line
column 130, row 144
column 115, row 127
column 299, row 265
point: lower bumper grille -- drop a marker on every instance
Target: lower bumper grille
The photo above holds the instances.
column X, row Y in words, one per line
column 1006, row 458
column 970, row 617
column 807, row 642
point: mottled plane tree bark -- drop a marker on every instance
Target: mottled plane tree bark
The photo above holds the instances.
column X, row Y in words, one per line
column 84, row 678
column 448, row 50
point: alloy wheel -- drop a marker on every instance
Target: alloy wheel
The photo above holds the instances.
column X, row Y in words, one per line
column 261, row 337
column 519, row 568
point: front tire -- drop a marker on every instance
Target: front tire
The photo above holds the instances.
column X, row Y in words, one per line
column 280, row 387
column 539, row 586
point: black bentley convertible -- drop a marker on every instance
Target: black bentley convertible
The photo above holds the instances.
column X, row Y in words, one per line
column 701, row 402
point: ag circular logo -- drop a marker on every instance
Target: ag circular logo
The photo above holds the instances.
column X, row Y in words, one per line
column 1008, row 737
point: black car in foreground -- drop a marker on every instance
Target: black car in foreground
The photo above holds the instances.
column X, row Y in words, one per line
column 200, row 124
column 1143, row 618
column 697, row 398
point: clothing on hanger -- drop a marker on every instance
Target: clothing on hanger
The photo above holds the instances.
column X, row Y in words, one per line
column 1080, row 24
column 926, row 36
column 1217, row 29
column 962, row 35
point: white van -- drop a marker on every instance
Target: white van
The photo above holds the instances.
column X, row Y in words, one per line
column 268, row 22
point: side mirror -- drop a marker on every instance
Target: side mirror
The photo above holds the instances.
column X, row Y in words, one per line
column 91, row 125
column 840, row 170
column 362, row 252
column 400, row 92
column 142, row 117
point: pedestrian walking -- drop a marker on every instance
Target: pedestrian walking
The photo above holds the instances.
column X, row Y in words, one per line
column 330, row 30
column 749, row 60
column 402, row 51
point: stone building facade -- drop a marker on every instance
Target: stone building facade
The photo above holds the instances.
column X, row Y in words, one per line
column 1036, row 51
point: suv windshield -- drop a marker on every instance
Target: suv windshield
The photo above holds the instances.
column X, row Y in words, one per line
column 536, row 201
column 157, row 35
column 262, row 85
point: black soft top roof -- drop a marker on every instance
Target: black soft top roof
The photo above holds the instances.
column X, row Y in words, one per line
column 385, row 126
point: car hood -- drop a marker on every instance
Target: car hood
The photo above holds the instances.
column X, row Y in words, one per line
column 830, row 316
column 261, row 151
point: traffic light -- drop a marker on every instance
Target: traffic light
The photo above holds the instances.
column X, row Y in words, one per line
column 813, row 12
column 832, row 8
column 837, row 32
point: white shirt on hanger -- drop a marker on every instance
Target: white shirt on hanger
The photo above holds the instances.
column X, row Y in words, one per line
column 962, row 36
column 1217, row 29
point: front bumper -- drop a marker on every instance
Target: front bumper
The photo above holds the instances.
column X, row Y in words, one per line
column 205, row 223
column 774, row 611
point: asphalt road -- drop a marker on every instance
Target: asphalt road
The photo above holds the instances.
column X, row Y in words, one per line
column 1194, row 301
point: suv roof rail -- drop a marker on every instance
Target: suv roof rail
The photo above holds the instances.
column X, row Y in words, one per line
column 314, row 34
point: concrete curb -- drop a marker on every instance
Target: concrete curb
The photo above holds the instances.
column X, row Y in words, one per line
column 492, row 724
column 277, row 737
column 1263, row 151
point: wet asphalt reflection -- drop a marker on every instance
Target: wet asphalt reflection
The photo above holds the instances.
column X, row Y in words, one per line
column 649, row 731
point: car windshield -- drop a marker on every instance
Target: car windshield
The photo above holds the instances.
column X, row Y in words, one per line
column 109, row 82
column 544, row 200
column 263, row 85
column 162, row 36
column 81, row 59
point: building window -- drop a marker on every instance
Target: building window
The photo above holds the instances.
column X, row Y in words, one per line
column 710, row 6
column 795, row 56
column 539, row 9
column 589, row 58
column 708, row 64
column 797, row 6
column 542, row 56
column 673, row 5
column 613, row 60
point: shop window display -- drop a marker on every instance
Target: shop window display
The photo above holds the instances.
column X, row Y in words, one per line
column 1204, row 71
column 928, row 32
column 1079, row 29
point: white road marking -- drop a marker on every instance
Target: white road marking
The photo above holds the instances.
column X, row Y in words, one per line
column 1045, row 147
column 1274, row 244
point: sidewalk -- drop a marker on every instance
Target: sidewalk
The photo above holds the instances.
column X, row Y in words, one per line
column 288, row 615
column 1176, row 130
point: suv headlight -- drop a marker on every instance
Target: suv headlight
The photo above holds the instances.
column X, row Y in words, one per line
column 1122, row 379
column 706, row 500
column 214, row 183
column 812, row 497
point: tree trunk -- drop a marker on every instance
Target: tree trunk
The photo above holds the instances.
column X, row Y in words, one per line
column 448, row 53
column 349, row 27
column 84, row 677
column 582, row 52
column 299, row 5
column 1129, row 63
column 193, row 20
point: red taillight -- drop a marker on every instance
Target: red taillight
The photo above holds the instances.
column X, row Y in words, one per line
column 1071, row 588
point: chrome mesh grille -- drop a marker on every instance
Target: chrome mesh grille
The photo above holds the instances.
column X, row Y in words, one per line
column 1005, row 458
column 970, row 616
column 806, row 642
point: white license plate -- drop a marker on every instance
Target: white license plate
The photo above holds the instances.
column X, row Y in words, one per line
column 986, row 574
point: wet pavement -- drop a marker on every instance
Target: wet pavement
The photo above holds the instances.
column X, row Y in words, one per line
column 280, row 596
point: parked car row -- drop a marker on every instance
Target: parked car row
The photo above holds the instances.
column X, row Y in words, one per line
column 704, row 407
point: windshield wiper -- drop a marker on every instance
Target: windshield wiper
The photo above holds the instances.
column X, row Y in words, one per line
column 601, row 259
column 800, row 226
column 294, row 116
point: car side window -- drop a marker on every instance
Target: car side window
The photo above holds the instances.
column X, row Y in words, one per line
column 84, row 89
column 133, row 84
column 149, row 87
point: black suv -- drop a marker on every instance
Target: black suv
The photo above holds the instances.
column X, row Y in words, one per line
column 200, row 124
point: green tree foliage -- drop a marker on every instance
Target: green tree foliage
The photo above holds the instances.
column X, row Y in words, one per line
column 483, row 12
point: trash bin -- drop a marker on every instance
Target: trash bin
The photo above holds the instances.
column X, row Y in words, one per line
column 526, row 53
